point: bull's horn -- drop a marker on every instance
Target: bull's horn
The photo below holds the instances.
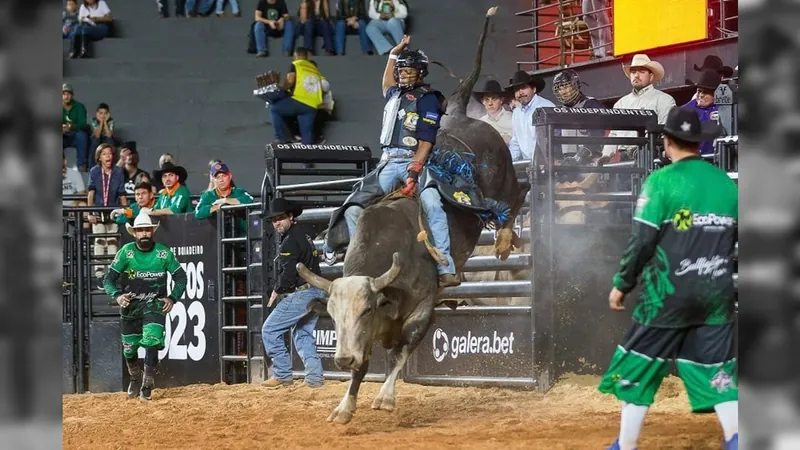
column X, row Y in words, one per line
column 312, row 278
column 386, row 279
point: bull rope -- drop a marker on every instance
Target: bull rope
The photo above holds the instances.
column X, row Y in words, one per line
column 422, row 236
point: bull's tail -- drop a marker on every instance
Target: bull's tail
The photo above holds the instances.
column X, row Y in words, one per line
column 464, row 89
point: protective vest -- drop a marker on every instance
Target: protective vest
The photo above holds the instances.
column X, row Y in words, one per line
column 400, row 116
column 308, row 83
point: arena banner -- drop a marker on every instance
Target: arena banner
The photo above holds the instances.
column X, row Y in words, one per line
column 481, row 343
column 325, row 335
column 191, row 353
column 661, row 24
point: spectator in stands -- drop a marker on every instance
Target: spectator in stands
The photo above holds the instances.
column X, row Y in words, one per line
column 163, row 159
column 598, row 19
column 314, row 17
column 234, row 8
column 69, row 19
column 493, row 97
column 145, row 177
column 145, row 201
column 163, row 8
column 642, row 73
column 204, row 8
column 351, row 18
column 95, row 18
column 225, row 193
column 388, row 18
column 101, row 127
column 71, row 184
column 704, row 105
column 130, row 166
column 73, row 126
column 106, row 188
column 305, row 82
column 272, row 20
column 523, row 140
column 175, row 198
column 211, row 183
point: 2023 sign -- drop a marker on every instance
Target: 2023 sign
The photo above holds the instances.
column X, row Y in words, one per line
column 189, row 319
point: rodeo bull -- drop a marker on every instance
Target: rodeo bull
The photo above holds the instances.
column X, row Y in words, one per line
column 391, row 279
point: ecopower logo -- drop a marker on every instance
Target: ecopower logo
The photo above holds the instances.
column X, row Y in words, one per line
column 471, row 344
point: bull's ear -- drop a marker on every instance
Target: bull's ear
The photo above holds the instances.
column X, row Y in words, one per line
column 318, row 306
column 388, row 308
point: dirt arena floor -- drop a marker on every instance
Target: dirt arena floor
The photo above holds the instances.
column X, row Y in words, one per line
column 572, row 416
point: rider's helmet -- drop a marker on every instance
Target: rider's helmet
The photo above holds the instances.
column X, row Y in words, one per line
column 567, row 87
column 415, row 59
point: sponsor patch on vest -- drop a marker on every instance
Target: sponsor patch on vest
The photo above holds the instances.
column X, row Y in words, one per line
column 409, row 141
column 411, row 97
column 431, row 115
column 462, row 198
column 411, row 121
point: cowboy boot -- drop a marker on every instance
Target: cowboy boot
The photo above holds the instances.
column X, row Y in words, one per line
column 149, row 382
column 135, row 371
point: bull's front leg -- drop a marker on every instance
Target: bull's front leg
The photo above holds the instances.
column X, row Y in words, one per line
column 347, row 407
column 506, row 238
column 413, row 332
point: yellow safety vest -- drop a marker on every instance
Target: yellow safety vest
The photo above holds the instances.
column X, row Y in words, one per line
column 308, row 84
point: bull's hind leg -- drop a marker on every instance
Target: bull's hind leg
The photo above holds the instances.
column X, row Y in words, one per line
column 347, row 407
column 506, row 238
column 413, row 331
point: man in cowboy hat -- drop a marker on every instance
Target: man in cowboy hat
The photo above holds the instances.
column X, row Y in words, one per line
column 141, row 269
column 683, row 246
column 292, row 312
column 703, row 104
column 225, row 193
column 642, row 73
column 523, row 140
column 713, row 62
column 492, row 97
column 175, row 197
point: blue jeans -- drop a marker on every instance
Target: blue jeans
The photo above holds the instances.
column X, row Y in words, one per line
column 392, row 176
column 234, row 6
column 290, row 107
column 93, row 32
column 291, row 314
column 377, row 29
column 319, row 27
column 205, row 7
column 79, row 140
column 263, row 32
column 343, row 29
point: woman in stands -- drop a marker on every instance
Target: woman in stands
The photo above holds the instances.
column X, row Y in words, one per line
column 94, row 19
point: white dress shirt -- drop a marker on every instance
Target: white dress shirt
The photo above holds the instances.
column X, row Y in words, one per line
column 523, row 142
column 500, row 122
column 647, row 98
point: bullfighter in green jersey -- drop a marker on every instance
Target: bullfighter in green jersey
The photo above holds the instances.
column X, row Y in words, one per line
column 137, row 279
column 684, row 234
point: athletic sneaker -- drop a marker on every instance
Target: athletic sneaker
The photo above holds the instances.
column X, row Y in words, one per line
column 615, row 446
column 134, row 387
column 147, row 388
column 733, row 444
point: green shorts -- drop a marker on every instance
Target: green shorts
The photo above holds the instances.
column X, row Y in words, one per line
column 704, row 357
column 142, row 327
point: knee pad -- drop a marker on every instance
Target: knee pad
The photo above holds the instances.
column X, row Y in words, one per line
column 111, row 248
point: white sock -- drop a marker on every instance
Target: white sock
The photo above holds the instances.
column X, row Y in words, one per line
column 631, row 425
column 728, row 414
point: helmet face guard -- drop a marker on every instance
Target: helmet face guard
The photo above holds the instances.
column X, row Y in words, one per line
column 414, row 59
column 567, row 87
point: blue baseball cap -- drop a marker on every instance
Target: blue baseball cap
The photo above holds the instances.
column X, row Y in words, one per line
column 219, row 168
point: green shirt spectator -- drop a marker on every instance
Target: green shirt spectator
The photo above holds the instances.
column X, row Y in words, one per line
column 145, row 200
column 224, row 194
column 175, row 197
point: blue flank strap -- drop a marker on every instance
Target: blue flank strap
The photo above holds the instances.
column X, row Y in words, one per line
column 447, row 164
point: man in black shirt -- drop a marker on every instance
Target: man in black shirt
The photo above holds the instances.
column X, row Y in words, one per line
column 272, row 20
column 291, row 312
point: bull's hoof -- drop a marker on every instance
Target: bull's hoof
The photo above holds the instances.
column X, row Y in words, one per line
column 384, row 403
column 341, row 416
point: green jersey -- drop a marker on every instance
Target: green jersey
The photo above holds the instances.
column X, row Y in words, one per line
column 144, row 274
column 684, row 233
column 203, row 208
column 178, row 200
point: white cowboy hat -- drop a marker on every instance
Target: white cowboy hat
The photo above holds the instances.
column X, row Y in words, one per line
column 642, row 60
column 142, row 221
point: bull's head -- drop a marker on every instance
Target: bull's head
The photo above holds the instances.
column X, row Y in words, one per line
column 358, row 307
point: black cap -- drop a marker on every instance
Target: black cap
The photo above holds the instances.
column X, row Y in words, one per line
column 684, row 124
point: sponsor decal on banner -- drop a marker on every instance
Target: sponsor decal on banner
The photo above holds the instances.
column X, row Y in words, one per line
column 326, row 342
column 469, row 344
column 185, row 327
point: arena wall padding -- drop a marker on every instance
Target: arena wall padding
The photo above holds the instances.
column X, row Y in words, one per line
column 105, row 356
column 67, row 359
